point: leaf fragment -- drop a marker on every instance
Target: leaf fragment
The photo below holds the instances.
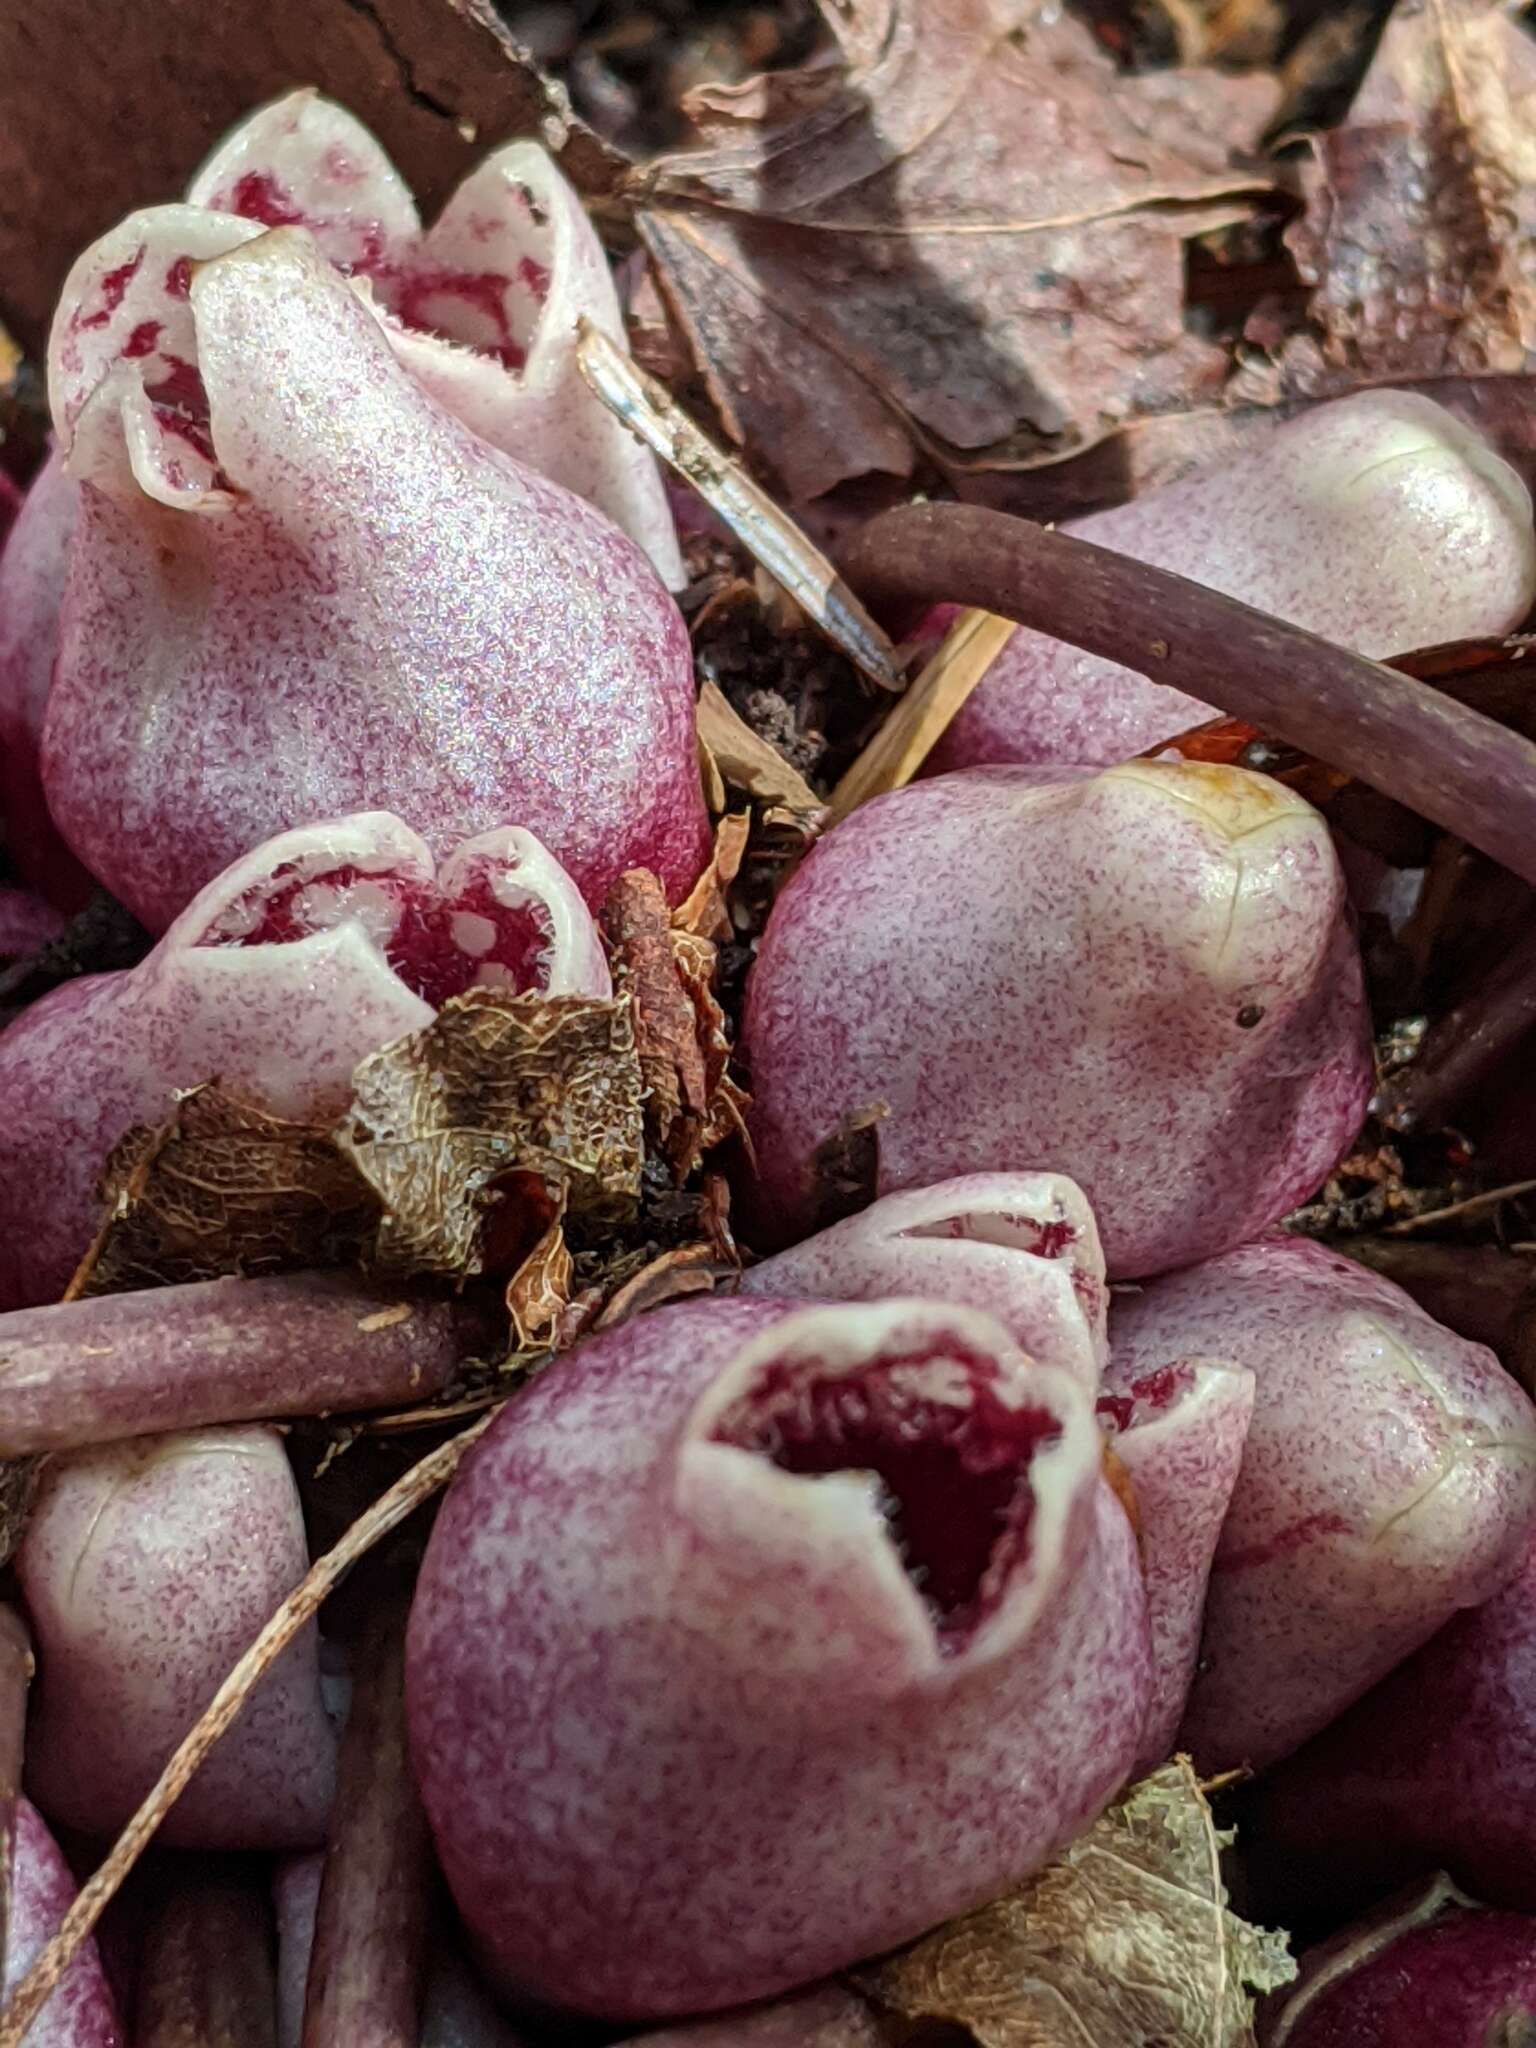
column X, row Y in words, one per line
column 222, row 1186
column 665, row 962
column 493, row 1087
column 1126, row 1938
column 747, row 761
column 1421, row 208
column 865, row 273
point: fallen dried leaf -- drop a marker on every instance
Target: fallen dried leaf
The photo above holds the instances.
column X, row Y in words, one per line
column 223, row 1187
column 747, row 761
column 665, row 963
column 637, row 926
column 864, row 271
column 704, row 911
column 495, row 1085
column 725, row 1101
column 1127, row 1938
column 685, row 1269
column 1417, row 235
column 539, row 1291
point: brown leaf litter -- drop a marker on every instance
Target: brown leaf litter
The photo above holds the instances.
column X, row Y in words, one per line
column 968, row 240
column 1127, row 1937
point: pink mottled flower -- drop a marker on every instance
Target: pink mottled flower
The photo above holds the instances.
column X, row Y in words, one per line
column 1388, row 1478
column 310, row 953
column 842, row 1632
column 347, row 529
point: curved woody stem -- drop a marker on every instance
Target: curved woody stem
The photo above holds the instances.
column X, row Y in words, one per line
column 1446, row 761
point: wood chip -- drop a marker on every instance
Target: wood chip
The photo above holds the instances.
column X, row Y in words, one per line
column 920, row 720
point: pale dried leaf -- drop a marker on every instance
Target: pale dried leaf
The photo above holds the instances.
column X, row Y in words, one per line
column 539, row 1292
column 1127, row 1938
column 1421, row 209
column 864, row 271
column 704, row 911
column 496, row 1085
column 223, row 1187
column 747, row 761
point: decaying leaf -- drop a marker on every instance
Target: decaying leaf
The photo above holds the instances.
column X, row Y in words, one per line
column 1421, row 208
column 747, row 761
column 1127, row 1940
column 665, row 963
column 637, row 925
column 495, row 1085
column 703, row 912
column 538, row 1295
column 223, row 1187
column 725, row 1100
column 845, row 1168
column 686, row 1269
column 969, row 241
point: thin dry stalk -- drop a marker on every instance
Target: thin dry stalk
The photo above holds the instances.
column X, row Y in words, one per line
column 920, row 720
column 746, row 759
column 649, row 410
column 303, row 1603
column 16, row 1668
column 1462, row 1211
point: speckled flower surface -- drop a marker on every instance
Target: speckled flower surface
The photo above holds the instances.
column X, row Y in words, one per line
column 276, row 980
column 843, row 1632
column 1388, row 1479
column 1434, row 1769
column 148, row 1568
column 80, row 2013
column 301, row 586
column 1380, row 522
column 1022, row 1246
column 1178, row 1431
column 1143, row 979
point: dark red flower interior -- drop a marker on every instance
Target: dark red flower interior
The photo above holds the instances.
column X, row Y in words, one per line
column 953, row 1471
column 490, row 310
column 439, row 946
column 1044, row 1237
column 1145, row 1397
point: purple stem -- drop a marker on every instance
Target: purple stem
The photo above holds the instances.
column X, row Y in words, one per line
column 118, row 1365
column 206, row 1977
column 367, row 1965
column 1445, row 761
column 16, row 1668
column 1465, row 1046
